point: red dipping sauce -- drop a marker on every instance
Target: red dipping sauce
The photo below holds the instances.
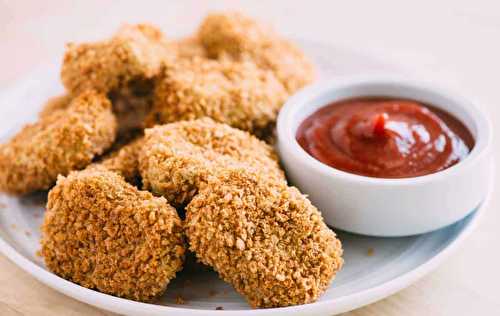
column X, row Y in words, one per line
column 385, row 138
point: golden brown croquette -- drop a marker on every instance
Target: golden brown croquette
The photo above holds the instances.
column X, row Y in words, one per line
column 135, row 52
column 57, row 143
column 105, row 234
column 238, row 94
column 241, row 37
column 177, row 158
column 263, row 237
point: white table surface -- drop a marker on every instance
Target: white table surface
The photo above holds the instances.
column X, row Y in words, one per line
column 456, row 43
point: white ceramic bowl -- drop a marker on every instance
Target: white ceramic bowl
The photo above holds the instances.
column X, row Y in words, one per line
column 386, row 207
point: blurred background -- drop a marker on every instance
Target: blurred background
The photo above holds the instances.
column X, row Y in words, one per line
column 455, row 39
column 453, row 42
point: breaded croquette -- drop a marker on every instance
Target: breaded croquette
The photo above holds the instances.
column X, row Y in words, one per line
column 57, row 143
column 177, row 158
column 263, row 237
column 135, row 52
column 238, row 94
column 240, row 37
column 105, row 234
column 125, row 160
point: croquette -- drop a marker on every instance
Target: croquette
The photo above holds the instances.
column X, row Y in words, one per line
column 240, row 37
column 105, row 234
column 177, row 158
column 238, row 94
column 57, row 143
column 263, row 237
column 135, row 52
column 124, row 160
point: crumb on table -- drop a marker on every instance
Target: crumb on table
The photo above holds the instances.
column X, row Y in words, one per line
column 370, row 252
column 219, row 308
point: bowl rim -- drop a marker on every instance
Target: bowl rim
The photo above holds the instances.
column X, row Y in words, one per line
column 286, row 133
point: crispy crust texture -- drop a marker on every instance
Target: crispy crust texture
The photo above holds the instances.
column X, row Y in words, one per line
column 104, row 234
column 135, row 52
column 240, row 37
column 58, row 143
column 263, row 237
column 177, row 158
column 124, row 161
column 238, row 94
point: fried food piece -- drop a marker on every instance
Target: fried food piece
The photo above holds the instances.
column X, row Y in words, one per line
column 238, row 94
column 241, row 37
column 55, row 104
column 125, row 160
column 105, row 234
column 263, row 237
column 58, row 143
column 135, row 52
column 177, row 158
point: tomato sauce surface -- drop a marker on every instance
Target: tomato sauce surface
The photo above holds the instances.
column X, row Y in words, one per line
column 385, row 138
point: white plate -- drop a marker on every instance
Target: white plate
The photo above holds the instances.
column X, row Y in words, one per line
column 374, row 267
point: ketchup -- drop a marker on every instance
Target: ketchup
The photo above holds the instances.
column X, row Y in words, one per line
column 385, row 138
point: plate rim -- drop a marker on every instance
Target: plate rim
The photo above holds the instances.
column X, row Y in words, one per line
column 341, row 304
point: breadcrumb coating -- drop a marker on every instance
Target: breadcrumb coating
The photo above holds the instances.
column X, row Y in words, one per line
column 57, row 143
column 105, row 234
column 135, row 52
column 263, row 237
column 177, row 158
column 125, row 160
column 238, row 94
column 241, row 37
